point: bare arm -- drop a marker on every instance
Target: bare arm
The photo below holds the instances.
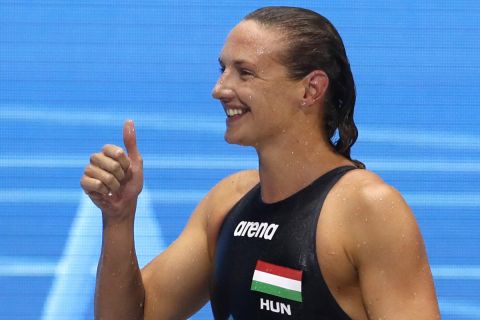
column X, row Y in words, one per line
column 390, row 257
column 176, row 283
column 119, row 291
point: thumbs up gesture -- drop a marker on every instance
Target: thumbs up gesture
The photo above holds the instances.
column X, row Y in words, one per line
column 113, row 179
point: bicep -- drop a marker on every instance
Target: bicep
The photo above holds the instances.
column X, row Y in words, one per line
column 394, row 273
column 176, row 282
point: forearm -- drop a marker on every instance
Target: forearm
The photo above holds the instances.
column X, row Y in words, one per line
column 119, row 292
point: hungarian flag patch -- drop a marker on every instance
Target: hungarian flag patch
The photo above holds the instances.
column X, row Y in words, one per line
column 277, row 281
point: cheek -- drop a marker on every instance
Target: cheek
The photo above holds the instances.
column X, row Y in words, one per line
column 271, row 101
column 280, row 100
column 246, row 94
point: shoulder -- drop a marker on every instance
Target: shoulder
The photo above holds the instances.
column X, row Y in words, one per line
column 383, row 244
column 374, row 213
column 218, row 202
column 221, row 198
column 232, row 187
column 365, row 189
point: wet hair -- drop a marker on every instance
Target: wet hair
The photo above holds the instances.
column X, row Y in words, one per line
column 314, row 44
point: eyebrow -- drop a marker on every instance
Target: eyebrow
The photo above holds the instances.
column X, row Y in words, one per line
column 238, row 62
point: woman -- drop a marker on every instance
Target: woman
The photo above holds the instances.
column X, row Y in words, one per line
column 310, row 235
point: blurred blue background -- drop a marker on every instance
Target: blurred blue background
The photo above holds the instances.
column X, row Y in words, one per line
column 72, row 71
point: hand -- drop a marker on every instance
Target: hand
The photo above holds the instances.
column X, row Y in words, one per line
column 113, row 179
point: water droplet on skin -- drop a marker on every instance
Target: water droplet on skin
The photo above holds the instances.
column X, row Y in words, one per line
column 364, row 243
column 332, row 253
column 344, row 199
column 366, row 220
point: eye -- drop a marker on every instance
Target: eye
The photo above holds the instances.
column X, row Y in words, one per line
column 246, row 73
column 221, row 69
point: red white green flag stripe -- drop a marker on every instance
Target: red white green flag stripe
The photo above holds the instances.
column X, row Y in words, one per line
column 277, row 280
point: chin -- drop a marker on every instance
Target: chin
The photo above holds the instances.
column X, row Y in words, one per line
column 232, row 139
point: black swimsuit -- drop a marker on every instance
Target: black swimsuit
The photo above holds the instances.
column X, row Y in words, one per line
column 266, row 265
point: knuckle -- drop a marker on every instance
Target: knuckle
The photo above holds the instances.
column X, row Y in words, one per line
column 94, row 158
column 116, row 185
column 109, row 179
column 116, row 167
column 119, row 153
column 98, row 184
column 89, row 170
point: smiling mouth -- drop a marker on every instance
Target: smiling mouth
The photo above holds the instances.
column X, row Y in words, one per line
column 231, row 112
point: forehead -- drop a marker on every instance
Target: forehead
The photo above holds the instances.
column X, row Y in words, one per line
column 249, row 41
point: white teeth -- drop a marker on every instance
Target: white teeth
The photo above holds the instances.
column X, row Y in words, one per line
column 233, row 112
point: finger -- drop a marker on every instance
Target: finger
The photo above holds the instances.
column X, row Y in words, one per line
column 91, row 185
column 108, row 164
column 117, row 154
column 105, row 177
column 130, row 141
column 95, row 195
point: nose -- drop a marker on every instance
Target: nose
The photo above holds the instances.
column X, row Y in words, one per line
column 222, row 90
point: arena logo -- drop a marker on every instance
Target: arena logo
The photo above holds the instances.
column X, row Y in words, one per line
column 255, row 230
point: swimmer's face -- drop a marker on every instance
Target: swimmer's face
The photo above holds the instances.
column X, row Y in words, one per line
column 254, row 88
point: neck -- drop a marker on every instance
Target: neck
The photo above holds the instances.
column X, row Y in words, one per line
column 292, row 164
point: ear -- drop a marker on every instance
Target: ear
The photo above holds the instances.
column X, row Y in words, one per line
column 315, row 84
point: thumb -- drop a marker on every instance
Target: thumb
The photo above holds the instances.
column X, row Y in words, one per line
column 130, row 141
